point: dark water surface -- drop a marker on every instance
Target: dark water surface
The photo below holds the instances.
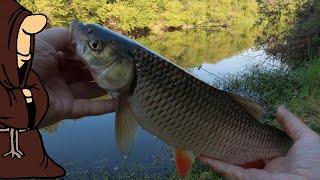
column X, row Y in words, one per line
column 86, row 147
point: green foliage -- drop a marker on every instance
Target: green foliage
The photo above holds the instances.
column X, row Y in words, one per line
column 297, row 88
column 291, row 29
column 29, row 4
column 88, row 10
column 199, row 172
column 278, row 18
column 56, row 11
column 303, row 42
column 130, row 15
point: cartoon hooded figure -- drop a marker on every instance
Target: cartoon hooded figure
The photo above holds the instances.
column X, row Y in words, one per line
column 23, row 99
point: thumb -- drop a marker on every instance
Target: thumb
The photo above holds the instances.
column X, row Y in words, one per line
column 293, row 126
column 88, row 107
column 34, row 24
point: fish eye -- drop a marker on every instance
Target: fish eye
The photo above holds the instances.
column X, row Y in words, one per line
column 94, row 45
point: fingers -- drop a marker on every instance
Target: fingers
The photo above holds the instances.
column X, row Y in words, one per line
column 228, row 170
column 87, row 107
column 293, row 126
column 69, row 66
column 33, row 24
column 86, row 90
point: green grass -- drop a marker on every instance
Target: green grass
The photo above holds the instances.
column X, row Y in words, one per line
column 200, row 172
column 298, row 89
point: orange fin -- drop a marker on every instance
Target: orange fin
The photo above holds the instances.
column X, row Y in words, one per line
column 259, row 164
column 183, row 161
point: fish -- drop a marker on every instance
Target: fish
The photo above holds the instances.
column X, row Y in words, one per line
column 170, row 103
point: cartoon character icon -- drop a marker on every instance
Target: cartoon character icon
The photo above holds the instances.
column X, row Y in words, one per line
column 23, row 99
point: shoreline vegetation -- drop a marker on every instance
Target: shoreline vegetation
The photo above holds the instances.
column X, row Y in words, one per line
column 144, row 16
column 289, row 31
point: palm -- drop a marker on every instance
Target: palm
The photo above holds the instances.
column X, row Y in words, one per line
column 298, row 161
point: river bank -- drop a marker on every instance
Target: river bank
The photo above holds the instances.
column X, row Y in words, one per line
column 297, row 88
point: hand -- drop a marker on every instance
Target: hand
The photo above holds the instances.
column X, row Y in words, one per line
column 27, row 93
column 301, row 162
column 67, row 81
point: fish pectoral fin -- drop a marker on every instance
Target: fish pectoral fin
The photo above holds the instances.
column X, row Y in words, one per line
column 126, row 125
column 255, row 109
column 183, row 161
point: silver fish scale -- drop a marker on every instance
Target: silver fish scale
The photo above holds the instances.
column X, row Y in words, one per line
column 188, row 114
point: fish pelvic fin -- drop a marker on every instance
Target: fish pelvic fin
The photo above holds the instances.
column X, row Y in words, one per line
column 126, row 125
column 251, row 106
column 183, row 161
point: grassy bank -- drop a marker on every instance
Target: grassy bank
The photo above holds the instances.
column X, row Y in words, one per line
column 297, row 88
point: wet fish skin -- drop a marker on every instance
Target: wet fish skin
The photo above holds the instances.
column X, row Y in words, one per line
column 189, row 114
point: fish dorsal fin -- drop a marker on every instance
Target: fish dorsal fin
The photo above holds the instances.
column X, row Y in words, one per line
column 255, row 109
column 183, row 161
column 126, row 125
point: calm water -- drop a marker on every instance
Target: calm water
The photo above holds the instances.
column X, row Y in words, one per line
column 87, row 146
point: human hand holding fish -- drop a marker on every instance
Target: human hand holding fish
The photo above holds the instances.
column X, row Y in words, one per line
column 301, row 162
column 69, row 85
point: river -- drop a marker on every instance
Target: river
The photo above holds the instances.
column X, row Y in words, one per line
column 86, row 147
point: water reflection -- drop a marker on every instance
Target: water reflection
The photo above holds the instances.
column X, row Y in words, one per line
column 87, row 146
column 192, row 48
column 209, row 72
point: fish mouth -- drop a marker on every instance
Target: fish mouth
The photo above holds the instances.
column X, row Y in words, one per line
column 71, row 31
column 75, row 36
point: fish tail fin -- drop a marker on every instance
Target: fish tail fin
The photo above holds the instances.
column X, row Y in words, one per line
column 183, row 161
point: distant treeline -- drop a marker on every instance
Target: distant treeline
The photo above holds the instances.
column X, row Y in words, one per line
column 154, row 15
column 302, row 43
column 291, row 29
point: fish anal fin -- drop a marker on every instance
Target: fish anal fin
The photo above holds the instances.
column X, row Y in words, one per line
column 183, row 161
column 126, row 125
column 259, row 164
column 251, row 106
